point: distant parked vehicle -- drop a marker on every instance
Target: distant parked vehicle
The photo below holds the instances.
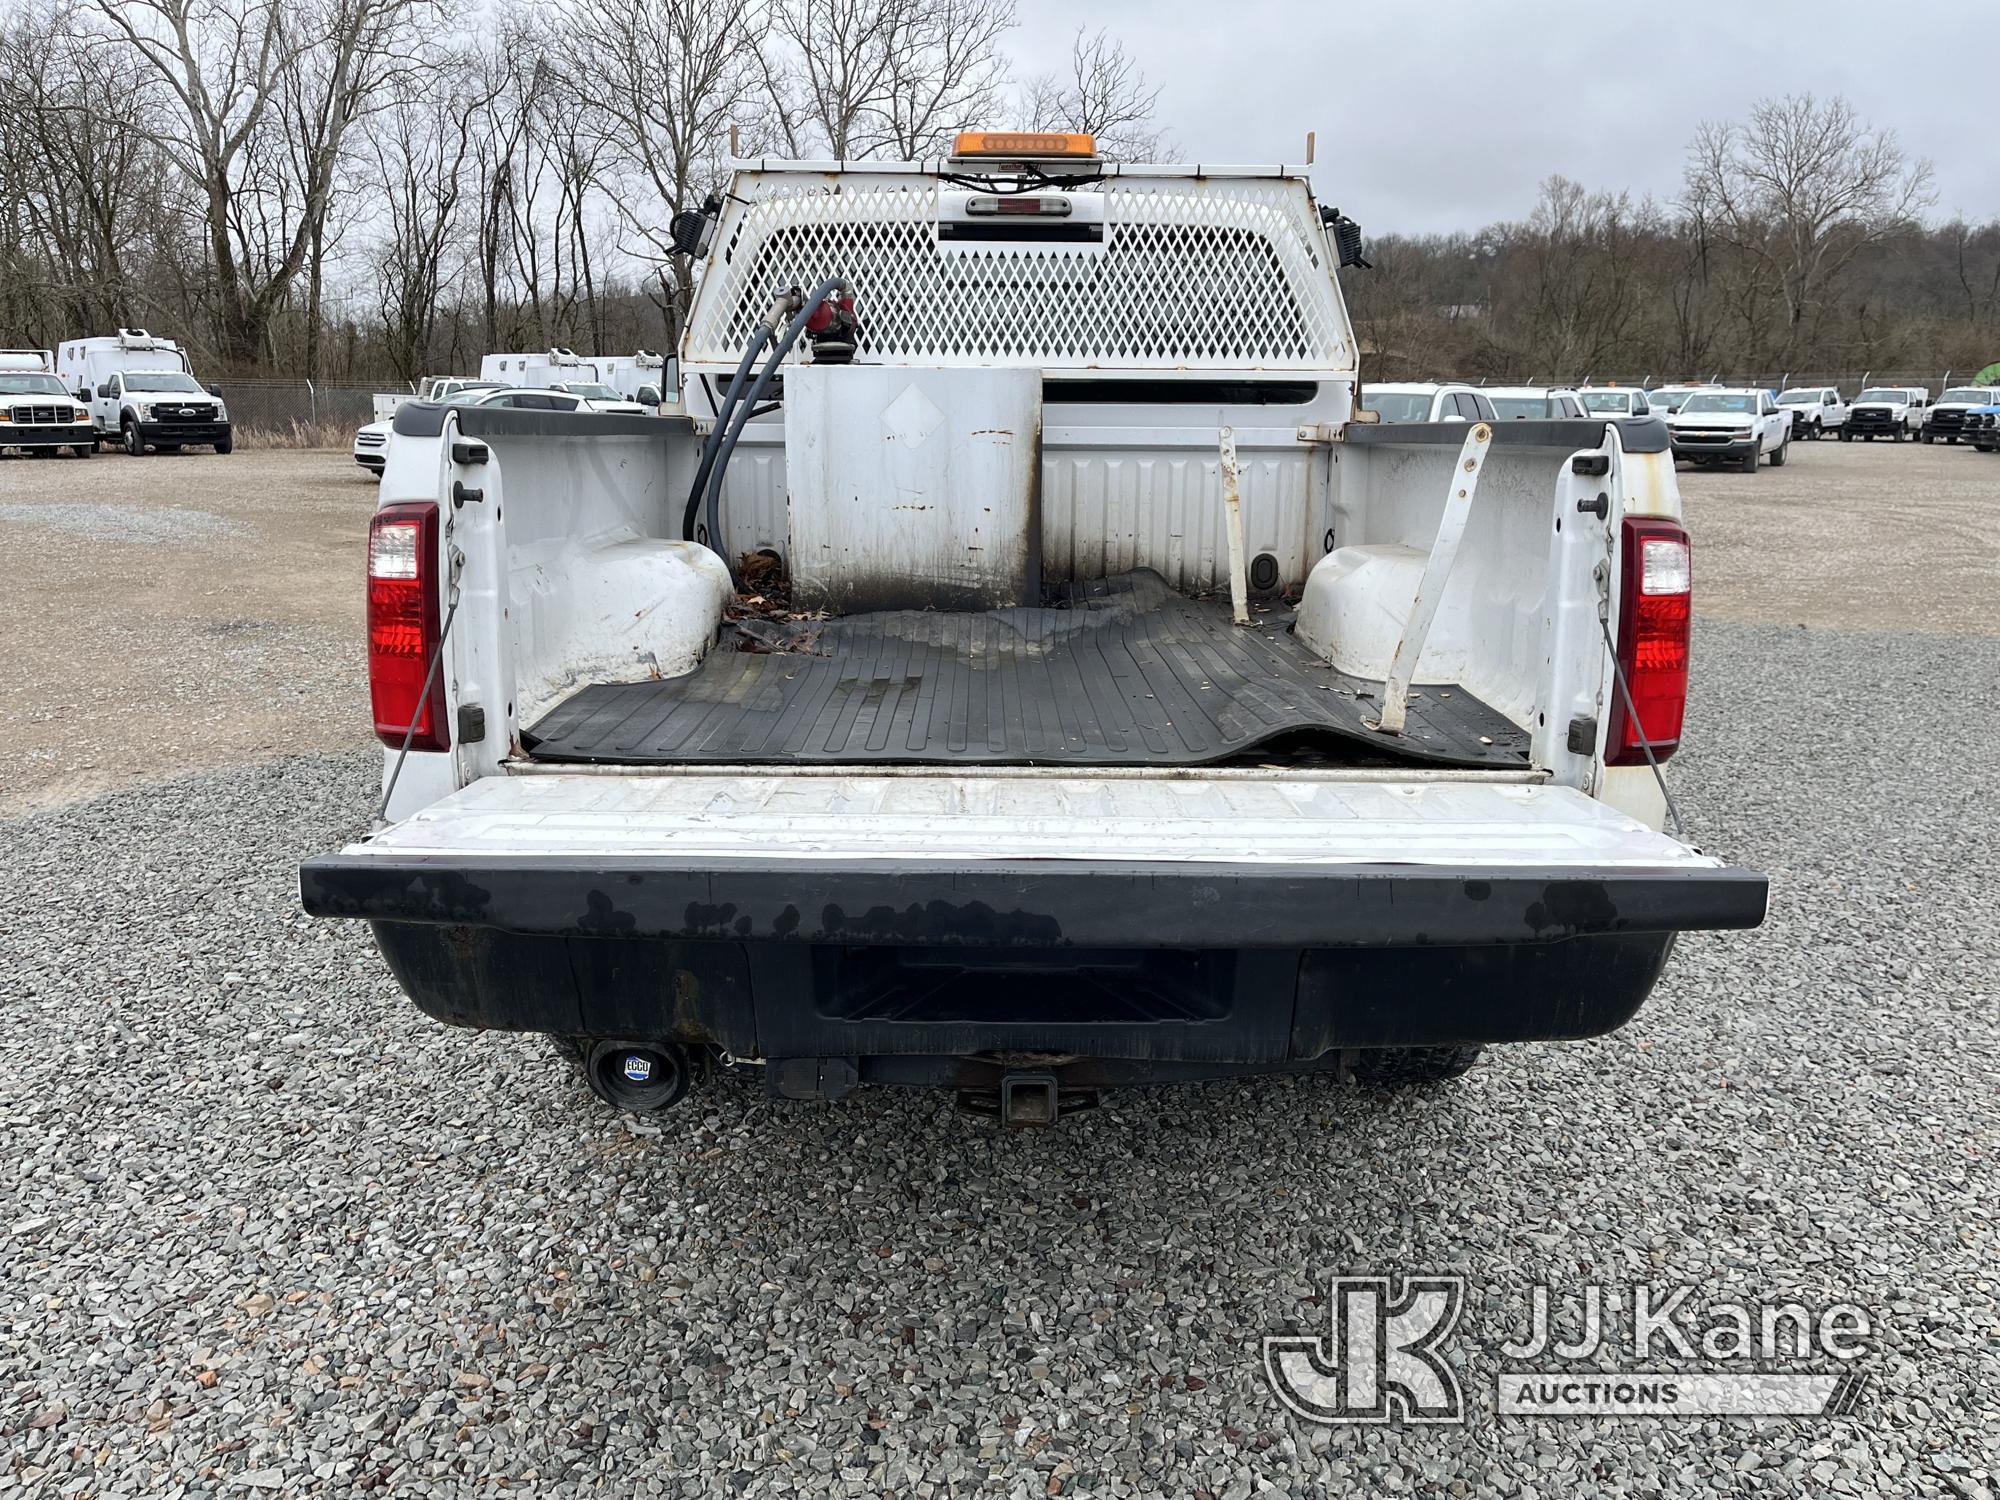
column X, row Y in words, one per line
column 652, row 380
column 1816, row 410
column 36, row 412
column 1891, row 411
column 1982, row 428
column 1428, row 401
column 1617, row 401
column 1945, row 418
column 142, row 392
column 430, row 388
column 1667, row 399
column 1533, row 402
column 371, row 442
column 1734, row 426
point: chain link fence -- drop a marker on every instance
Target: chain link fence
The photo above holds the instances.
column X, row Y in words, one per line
column 299, row 413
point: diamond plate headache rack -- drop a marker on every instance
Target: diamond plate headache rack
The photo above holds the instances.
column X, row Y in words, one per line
column 1196, row 275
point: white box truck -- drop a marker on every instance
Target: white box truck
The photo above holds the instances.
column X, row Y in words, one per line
column 142, row 393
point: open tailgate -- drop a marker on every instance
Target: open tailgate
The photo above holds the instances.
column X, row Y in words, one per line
column 1031, row 858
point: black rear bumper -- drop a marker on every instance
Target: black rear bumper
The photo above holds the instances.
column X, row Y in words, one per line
column 1231, row 967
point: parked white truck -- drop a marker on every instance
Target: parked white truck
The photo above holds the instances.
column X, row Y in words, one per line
column 1095, row 702
column 36, row 413
column 1891, row 411
column 1816, row 410
column 1945, row 417
column 1739, row 427
column 142, row 393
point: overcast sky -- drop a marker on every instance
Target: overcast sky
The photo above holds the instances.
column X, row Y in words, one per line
column 1440, row 117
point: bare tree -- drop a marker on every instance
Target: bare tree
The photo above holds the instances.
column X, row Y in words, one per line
column 421, row 143
column 854, row 78
column 80, row 186
column 221, row 65
column 1102, row 92
column 1800, row 190
column 658, row 83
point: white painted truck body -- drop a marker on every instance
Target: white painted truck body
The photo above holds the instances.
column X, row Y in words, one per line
column 430, row 388
column 987, row 451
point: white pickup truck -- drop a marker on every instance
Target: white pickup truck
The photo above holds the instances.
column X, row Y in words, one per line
column 1816, row 410
column 1891, row 411
column 1060, row 690
column 1735, row 426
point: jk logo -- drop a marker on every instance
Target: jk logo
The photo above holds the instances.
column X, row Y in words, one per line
column 1378, row 1360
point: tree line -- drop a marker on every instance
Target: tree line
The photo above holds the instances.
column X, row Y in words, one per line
column 355, row 189
column 368, row 189
column 1798, row 243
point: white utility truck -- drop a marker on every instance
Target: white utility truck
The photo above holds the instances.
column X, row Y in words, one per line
column 1739, row 427
column 142, row 392
column 36, row 413
column 1057, row 688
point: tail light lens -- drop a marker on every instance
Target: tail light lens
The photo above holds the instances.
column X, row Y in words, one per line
column 403, row 626
column 1655, row 614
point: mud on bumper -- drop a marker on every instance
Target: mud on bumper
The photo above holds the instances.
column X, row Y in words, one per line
column 1129, row 973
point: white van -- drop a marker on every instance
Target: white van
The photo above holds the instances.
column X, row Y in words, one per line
column 36, row 413
column 141, row 391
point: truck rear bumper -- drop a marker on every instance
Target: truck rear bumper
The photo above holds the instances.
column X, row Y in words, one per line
column 872, row 942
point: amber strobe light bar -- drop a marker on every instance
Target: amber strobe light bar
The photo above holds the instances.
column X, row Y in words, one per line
column 1024, row 145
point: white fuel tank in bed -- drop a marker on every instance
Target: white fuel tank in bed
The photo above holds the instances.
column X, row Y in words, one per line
column 913, row 488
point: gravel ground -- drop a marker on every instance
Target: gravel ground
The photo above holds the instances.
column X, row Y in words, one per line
column 266, row 1230
column 177, row 612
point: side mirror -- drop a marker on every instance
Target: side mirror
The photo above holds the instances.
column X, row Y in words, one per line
column 105, row 390
column 215, row 390
column 649, row 395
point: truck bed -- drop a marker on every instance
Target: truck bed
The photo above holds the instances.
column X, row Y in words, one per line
column 1115, row 671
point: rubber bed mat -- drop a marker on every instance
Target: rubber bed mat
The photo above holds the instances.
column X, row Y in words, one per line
column 1116, row 671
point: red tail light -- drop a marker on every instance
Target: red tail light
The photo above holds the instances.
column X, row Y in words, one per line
column 1655, row 613
column 403, row 625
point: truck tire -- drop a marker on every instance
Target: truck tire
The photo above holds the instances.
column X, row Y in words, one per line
column 134, row 444
column 1929, row 436
column 1410, row 1067
column 1779, row 454
column 227, row 445
column 1901, row 433
column 1815, row 431
column 85, row 450
column 1846, row 436
column 1750, row 460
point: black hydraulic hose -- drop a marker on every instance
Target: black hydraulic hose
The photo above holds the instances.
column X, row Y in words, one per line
column 714, row 444
column 748, row 405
